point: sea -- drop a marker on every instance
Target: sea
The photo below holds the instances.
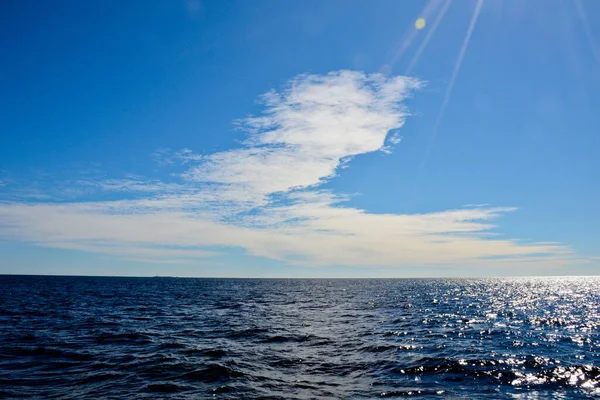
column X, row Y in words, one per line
column 64, row 337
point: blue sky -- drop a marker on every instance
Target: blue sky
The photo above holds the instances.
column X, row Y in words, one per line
column 312, row 138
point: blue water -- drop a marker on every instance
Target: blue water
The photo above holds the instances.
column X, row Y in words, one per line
column 114, row 338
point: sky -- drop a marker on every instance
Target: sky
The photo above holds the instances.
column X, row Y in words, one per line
column 300, row 139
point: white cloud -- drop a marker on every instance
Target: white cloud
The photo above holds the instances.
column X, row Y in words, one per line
column 130, row 185
column 308, row 130
column 265, row 198
column 165, row 156
column 162, row 157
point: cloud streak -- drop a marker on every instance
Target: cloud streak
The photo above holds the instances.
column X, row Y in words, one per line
column 267, row 196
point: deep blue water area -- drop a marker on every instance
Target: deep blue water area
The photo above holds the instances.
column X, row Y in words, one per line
column 171, row 338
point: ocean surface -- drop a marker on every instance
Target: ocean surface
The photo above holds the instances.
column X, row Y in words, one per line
column 169, row 338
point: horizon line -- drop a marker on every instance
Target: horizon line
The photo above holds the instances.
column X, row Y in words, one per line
column 297, row 277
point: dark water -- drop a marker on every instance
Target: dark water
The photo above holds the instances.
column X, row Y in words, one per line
column 113, row 338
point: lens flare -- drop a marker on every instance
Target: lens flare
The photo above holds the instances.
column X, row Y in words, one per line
column 420, row 23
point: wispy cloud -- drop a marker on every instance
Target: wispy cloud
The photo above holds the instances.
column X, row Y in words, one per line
column 165, row 157
column 132, row 184
column 266, row 196
column 308, row 130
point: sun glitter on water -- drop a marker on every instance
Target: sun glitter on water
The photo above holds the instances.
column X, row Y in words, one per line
column 420, row 23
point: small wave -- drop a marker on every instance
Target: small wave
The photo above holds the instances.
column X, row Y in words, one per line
column 377, row 348
column 227, row 305
column 210, row 374
column 98, row 377
column 529, row 372
column 412, row 392
column 286, row 339
column 5, row 394
column 221, row 389
column 166, row 388
column 28, row 337
column 129, row 337
column 216, row 353
column 50, row 352
column 247, row 333
column 285, row 362
column 171, row 345
column 582, row 376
